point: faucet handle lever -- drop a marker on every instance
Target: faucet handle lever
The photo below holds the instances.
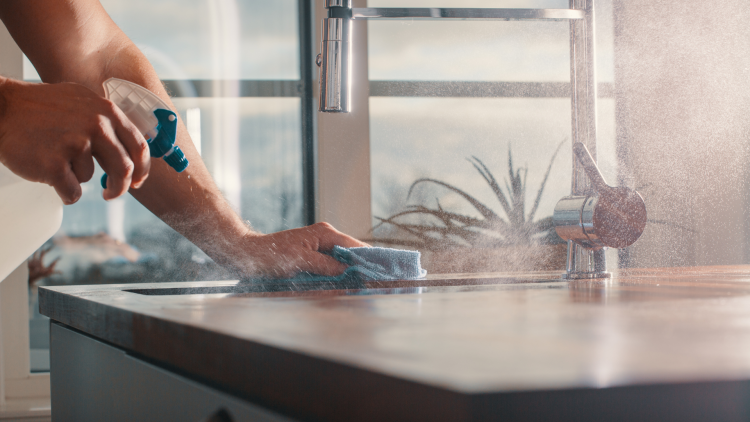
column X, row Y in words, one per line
column 592, row 171
column 614, row 217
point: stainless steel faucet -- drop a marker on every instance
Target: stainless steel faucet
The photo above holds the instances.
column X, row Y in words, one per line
column 595, row 216
column 335, row 58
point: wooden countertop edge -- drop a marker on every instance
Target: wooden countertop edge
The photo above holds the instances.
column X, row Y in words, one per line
column 313, row 388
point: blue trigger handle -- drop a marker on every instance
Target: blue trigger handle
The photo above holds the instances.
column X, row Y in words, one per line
column 162, row 145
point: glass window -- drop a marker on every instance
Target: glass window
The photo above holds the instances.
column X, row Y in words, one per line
column 196, row 39
column 251, row 145
column 469, row 51
column 482, row 51
column 449, row 140
column 121, row 241
column 223, row 39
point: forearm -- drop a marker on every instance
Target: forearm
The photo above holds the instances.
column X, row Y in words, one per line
column 189, row 202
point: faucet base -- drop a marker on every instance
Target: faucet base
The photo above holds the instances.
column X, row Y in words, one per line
column 583, row 275
column 585, row 264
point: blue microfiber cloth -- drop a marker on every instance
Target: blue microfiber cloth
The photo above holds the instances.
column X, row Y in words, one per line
column 366, row 264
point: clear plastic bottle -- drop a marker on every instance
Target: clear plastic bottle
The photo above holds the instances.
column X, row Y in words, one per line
column 137, row 103
column 30, row 213
column 151, row 116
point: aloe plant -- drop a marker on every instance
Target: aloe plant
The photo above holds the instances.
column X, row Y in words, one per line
column 440, row 228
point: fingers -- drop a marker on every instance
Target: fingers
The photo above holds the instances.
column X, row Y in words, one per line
column 325, row 265
column 83, row 166
column 64, row 125
column 286, row 253
column 330, row 237
column 67, row 186
column 136, row 146
column 121, row 151
column 114, row 159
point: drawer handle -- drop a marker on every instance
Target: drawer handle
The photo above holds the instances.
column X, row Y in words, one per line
column 220, row 415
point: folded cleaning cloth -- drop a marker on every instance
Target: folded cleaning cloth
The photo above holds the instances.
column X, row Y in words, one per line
column 371, row 264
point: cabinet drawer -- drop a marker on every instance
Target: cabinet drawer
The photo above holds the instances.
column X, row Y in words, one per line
column 93, row 381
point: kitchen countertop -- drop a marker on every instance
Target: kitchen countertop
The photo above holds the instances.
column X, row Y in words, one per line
column 666, row 344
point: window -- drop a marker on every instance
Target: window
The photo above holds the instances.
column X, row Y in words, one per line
column 442, row 92
column 234, row 71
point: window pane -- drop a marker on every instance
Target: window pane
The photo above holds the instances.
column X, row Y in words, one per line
column 120, row 241
column 469, row 51
column 222, row 39
column 267, row 159
column 481, row 51
column 251, row 146
column 436, row 138
column 449, row 139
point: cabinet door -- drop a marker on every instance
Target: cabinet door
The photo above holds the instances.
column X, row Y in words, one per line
column 93, row 381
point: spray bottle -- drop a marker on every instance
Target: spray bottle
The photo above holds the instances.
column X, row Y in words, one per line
column 151, row 116
column 30, row 213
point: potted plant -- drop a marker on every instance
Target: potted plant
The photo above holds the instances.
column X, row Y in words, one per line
column 510, row 240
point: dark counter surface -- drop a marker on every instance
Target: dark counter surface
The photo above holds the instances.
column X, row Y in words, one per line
column 668, row 344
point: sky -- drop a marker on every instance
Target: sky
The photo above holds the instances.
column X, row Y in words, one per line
column 433, row 137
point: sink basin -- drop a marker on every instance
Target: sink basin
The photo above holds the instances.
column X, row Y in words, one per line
column 401, row 286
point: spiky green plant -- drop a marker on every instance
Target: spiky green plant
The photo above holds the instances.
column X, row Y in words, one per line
column 440, row 229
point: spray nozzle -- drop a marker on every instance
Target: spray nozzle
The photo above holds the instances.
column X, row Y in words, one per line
column 162, row 146
column 152, row 116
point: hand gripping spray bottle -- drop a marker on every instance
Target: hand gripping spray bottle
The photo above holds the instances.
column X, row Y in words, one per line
column 31, row 213
column 151, row 116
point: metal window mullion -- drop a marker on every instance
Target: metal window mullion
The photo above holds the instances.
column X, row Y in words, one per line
column 247, row 87
column 478, row 89
column 307, row 109
column 386, row 88
column 451, row 13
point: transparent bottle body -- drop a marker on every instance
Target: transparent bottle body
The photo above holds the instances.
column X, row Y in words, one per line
column 30, row 213
column 137, row 102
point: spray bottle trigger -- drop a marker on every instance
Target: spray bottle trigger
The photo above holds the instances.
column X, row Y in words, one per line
column 163, row 144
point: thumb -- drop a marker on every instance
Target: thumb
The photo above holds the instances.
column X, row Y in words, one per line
column 67, row 186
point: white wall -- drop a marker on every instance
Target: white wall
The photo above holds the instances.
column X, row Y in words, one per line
column 683, row 97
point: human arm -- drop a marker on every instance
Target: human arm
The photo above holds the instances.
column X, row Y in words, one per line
column 76, row 41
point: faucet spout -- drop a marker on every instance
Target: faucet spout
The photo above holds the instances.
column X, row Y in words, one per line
column 335, row 59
